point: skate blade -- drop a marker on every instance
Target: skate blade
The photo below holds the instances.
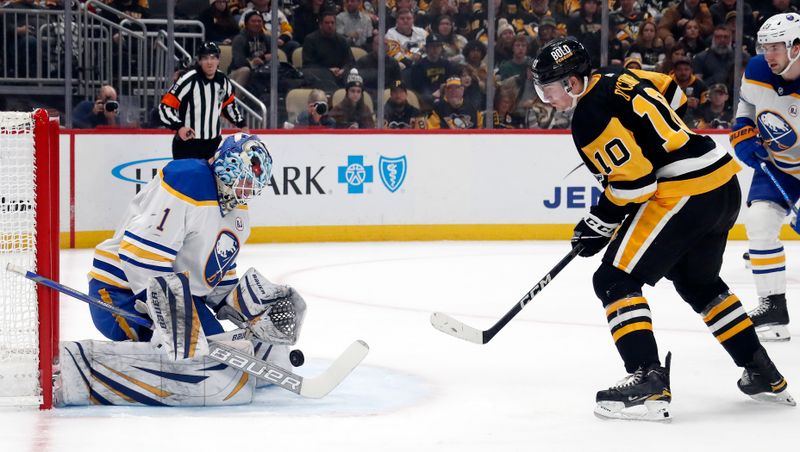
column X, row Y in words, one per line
column 773, row 333
column 651, row 411
column 781, row 398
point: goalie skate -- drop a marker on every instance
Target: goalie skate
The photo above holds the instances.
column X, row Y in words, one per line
column 642, row 396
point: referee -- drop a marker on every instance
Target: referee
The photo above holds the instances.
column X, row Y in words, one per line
column 192, row 107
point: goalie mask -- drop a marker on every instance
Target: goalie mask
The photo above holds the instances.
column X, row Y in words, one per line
column 242, row 166
column 552, row 67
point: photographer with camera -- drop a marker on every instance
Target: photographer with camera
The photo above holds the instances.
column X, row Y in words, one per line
column 102, row 112
column 316, row 114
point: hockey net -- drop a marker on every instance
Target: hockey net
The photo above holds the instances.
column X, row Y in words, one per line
column 28, row 238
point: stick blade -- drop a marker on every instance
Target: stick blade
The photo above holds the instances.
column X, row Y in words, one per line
column 455, row 328
column 320, row 386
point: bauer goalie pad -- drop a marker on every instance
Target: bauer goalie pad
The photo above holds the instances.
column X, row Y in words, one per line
column 273, row 312
column 132, row 373
column 176, row 323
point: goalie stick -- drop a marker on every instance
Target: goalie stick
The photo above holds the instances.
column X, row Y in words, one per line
column 456, row 328
column 314, row 388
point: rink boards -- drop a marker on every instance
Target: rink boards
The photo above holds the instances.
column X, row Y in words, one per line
column 358, row 186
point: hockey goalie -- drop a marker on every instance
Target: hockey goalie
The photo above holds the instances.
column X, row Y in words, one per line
column 173, row 260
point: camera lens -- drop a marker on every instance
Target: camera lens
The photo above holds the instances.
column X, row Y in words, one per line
column 111, row 105
column 321, row 108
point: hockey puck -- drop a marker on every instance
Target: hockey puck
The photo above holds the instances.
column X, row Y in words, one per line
column 297, row 358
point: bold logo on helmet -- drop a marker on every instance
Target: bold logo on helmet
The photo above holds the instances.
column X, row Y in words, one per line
column 777, row 133
column 561, row 53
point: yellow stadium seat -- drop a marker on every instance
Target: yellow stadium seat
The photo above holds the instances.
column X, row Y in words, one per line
column 225, row 58
column 297, row 57
column 358, row 53
column 296, row 101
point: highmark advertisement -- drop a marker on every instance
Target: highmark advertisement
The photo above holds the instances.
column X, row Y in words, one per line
column 363, row 186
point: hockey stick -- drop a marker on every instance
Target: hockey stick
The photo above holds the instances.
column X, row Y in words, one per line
column 453, row 327
column 313, row 388
column 785, row 195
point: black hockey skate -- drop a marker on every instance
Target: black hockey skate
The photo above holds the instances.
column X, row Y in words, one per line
column 643, row 396
column 770, row 318
column 762, row 381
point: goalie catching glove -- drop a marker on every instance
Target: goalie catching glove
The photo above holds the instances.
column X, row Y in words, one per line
column 273, row 312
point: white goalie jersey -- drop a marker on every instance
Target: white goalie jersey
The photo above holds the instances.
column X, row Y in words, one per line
column 772, row 105
column 175, row 225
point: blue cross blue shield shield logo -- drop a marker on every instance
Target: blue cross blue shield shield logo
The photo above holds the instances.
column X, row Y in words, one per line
column 393, row 171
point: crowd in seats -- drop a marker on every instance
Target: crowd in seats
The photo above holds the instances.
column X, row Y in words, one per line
column 429, row 42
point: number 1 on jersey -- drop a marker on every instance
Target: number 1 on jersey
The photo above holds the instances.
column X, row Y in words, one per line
column 160, row 226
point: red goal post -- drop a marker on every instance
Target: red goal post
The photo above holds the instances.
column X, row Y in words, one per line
column 29, row 236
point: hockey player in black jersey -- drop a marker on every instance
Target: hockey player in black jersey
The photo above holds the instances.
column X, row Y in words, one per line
column 670, row 197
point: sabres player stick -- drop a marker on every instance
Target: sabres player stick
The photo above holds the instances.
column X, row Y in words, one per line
column 780, row 188
column 314, row 388
column 456, row 328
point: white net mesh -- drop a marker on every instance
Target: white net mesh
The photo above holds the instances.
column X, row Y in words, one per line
column 19, row 341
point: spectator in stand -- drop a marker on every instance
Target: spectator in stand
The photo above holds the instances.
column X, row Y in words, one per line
column 546, row 31
column 133, row 8
column 775, row 7
column 504, row 47
column 219, row 23
column 19, row 33
column 354, row 24
column 748, row 41
column 675, row 18
column 633, row 62
column 453, row 42
column 585, row 26
column 475, row 67
column 648, row 46
column 352, row 112
column 717, row 113
column 676, row 52
column 398, row 113
column 285, row 41
column 519, row 62
column 428, row 75
column 504, row 115
column 400, row 5
column 102, row 112
column 440, row 8
column 452, row 112
column 696, row 91
column 691, row 39
column 716, row 63
column 406, row 42
column 368, row 68
column 326, row 55
column 306, row 17
column 194, row 104
column 626, row 21
column 472, row 90
column 721, row 8
column 250, row 50
column 316, row 115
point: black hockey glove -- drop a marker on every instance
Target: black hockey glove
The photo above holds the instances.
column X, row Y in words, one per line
column 593, row 234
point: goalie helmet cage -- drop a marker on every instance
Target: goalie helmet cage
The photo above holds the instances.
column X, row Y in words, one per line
column 29, row 237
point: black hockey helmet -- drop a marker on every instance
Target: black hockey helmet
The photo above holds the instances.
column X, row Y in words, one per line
column 559, row 59
column 208, row 48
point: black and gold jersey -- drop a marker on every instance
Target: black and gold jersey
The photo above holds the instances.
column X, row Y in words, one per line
column 629, row 135
column 445, row 116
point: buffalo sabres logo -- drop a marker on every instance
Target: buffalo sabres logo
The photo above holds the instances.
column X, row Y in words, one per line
column 221, row 258
column 777, row 133
column 393, row 172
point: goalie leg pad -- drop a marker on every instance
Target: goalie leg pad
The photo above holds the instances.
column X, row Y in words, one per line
column 275, row 354
column 176, row 322
column 132, row 374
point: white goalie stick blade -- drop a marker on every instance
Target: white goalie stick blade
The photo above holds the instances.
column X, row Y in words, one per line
column 456, row 328
column 314, row 388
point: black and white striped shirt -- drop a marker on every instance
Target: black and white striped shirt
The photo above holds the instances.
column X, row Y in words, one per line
column 197, row 102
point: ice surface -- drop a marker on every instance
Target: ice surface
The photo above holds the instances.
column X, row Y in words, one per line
column 531, row 389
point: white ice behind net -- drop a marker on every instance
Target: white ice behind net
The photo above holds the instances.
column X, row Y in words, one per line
column 19, row 341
